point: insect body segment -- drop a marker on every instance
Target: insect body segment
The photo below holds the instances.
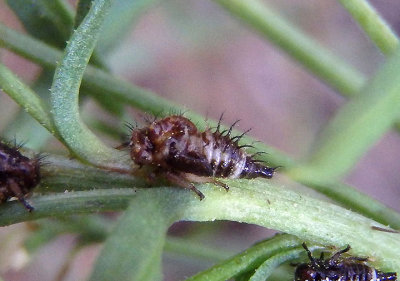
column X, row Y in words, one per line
column 340, row 269
column 18, row 174
column 175, row 146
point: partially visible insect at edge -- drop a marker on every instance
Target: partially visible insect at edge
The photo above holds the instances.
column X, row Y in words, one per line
column 183, row 155
column 336, row 268
column 18, row 174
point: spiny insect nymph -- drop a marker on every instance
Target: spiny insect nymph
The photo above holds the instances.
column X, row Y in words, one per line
column 340, row 269
column 18, row 174
column 179, row 150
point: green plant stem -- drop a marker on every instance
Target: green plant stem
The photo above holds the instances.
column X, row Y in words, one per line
column 251, row 258
column 65, row 93
column 23, row 126
column 144, row 222
column 373, row 24
column 62, row 173
column 320, row 62
column 250, row 201
column 265, row 270
column 353, row 199
column 69, row 203
column 25, row 97
column 29, row 47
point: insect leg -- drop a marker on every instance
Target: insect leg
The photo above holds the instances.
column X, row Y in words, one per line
column 220, row 183
column 193, row 178
column 123, row 145
column 180, row 180
column 357, row 259
column 339, row 253
column 308, row 252
column 16, row 190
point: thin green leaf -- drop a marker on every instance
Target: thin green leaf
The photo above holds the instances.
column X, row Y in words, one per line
column 29, row 47
column 25, row 97
column 355, row 200
column 74, row 175
column 373, row 24
column 48, row 20
column 65, row 93
column 69, row 203
column 320, row 62
column 357, row 126
column 265, row 269
column 82, row 9
column 23, row 126
column 248, row 260
column 133, row 251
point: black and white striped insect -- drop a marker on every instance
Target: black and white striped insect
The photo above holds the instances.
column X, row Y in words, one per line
column 18, row 174
column 178, row 150
column 336, row 268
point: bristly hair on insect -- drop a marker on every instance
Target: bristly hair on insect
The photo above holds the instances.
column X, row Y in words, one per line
column 18, row 173
column 177, row 150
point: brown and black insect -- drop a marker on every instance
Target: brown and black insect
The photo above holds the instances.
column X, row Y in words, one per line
column 340, row 269
column 18, row 174
column 179, row 151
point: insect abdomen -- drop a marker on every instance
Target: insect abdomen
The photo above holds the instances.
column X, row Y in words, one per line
column 357, row 272
column 362, row 272
column 225, row 158
column 228, row 160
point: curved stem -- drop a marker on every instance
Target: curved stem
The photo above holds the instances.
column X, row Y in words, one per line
column 65, row 93
column 265, row 270
column 250, row 259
